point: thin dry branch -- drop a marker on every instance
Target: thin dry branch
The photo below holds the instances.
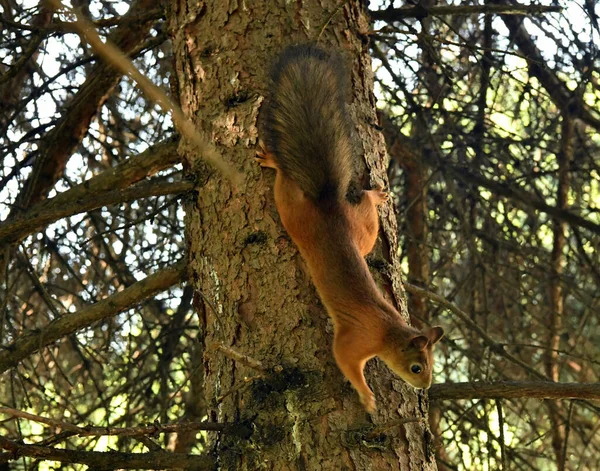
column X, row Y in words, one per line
column 14, row 78
column 521, row 198
column 49, row 211
column 496, row 347
column 58, row 144
column 41, row 420
column 514, row 390
column 106, row 460
column 150, row 430
column 113, row 55
column 558, row 261
column 33, row 341
column 569, row 102
column 420, row 11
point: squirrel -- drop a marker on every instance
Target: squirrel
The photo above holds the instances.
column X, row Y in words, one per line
column 306, row 138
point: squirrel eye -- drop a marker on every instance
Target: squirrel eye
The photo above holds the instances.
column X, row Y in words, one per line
column 416, row 369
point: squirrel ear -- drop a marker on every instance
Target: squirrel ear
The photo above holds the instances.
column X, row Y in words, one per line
column 419, row 342
column 435, row 334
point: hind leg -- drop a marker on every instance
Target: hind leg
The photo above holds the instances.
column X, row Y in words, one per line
column 365, row 220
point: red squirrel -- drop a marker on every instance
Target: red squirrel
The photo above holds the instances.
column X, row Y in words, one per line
column 306, row 135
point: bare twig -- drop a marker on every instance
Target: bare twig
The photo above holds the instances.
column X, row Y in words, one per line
column 150, row 430
column 420, row 11
column 42, row 420
column 240, row 357
column 513, row 390
column 558, row 90
column 106, row 460
column 501, row 434
column 50, row 210
column 33, row 341
column 521, row 198
column 563, row 455
column 496, row 347
column 110, row 53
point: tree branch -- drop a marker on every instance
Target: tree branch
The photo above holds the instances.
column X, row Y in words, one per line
column 521, row 198
column 34, row 340
column 514, row 390
column 106, row 460
column 134, row 169
column 58, row 208
column 58, row 144
column 566, row 100
column 419, row 11
column 489, row 341
column 153, row 429
column 113, row 55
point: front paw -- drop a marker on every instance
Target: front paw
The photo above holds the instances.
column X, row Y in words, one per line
column 368, row 402
column 264, row 158
column 382, row 195
column 378, row 196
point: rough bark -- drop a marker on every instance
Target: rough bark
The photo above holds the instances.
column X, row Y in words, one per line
column 256, row 295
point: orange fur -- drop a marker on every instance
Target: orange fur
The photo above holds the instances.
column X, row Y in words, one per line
column 308, row 138
column 333, row 242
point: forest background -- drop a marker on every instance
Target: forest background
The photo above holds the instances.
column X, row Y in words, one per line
column 124, row 287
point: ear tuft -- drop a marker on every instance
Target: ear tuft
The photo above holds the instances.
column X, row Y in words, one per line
column 419, row 342
column 435, row 334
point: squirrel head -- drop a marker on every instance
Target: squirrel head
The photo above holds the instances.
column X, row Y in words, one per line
column 410, row 355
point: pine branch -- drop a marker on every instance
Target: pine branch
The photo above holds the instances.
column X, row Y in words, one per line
column 521, row 198
column 57, row 208
column 134, row 169
column 569, row 102
column 114, row 56
column 34, row 340
column 419, row 11
column 494, row 346
column 106, row 460
column 58, row 144
column 153, row 429
column 514, row 390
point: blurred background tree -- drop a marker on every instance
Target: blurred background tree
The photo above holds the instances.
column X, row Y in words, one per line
column 491, row 121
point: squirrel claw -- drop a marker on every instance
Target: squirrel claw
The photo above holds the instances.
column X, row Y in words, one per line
column 383, row 195
column 260, row 160
column 368, row 402
column 379, row 195
column 264, row 158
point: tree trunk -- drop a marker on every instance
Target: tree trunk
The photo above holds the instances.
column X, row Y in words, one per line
column 253, row 290
column 557, row 264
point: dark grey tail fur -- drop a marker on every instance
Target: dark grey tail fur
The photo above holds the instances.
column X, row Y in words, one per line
column 306, row 126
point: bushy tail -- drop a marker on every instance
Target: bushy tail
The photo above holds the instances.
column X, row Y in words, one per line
column 306, row 126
